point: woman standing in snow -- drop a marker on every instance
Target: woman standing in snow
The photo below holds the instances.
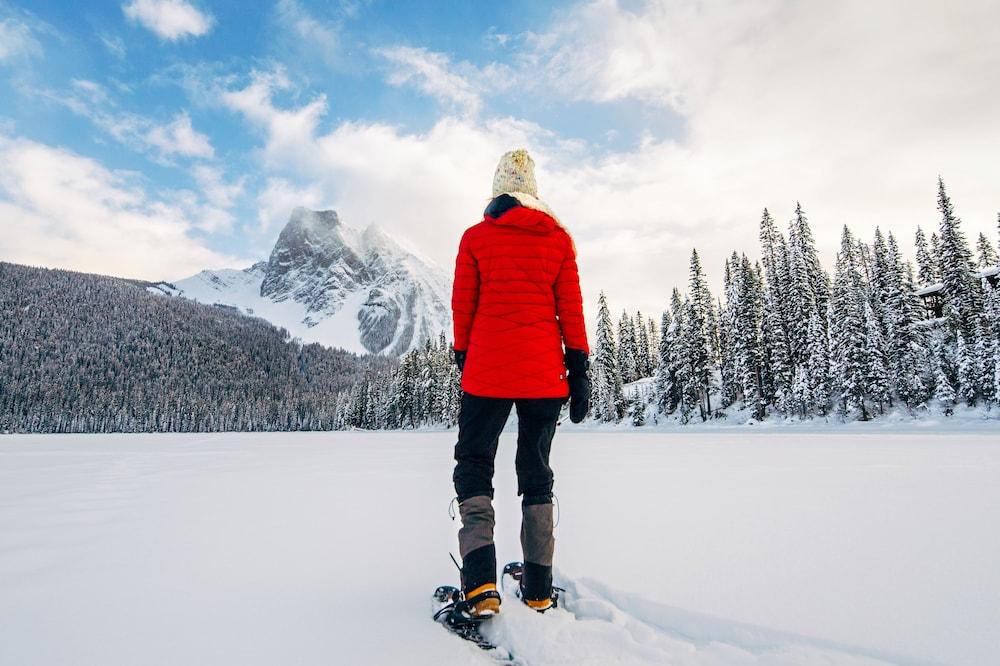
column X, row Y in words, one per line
column 516, row 302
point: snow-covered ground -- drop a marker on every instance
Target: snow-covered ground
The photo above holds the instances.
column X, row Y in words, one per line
column 852, row 547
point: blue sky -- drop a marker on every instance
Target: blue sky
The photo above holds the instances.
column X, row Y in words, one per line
column 152, row 138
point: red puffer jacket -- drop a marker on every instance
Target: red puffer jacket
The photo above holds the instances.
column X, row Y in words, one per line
column 516, row 300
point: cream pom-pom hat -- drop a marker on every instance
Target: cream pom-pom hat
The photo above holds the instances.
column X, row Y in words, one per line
column 515, row 173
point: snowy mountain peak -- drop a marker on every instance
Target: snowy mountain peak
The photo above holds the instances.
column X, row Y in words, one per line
column 331, row 283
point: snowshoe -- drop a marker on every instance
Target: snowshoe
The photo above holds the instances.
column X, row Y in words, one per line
column 463, row 617
column 514, row 571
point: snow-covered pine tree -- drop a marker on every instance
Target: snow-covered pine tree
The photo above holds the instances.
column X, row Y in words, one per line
column 800, row 236
column 749, row 354
column 691, row 348
column 926, row 274
column 986, row 254
column 644, row 366
column 608, row 400
column 778, row 359
column 699, row 341
column 983, row 365
column 944, row 392
column 968, row 372
column 663, row 384
column 674, row 342
column 904, row 337
column 881, row 275
column 627, row 349
column 992, row 334
column 936, row 256
column 654, row 346
column 876, row 373
column 962, row 297
column 799, row 305
column 817, row 365
column 848, row 340
column 729, row 388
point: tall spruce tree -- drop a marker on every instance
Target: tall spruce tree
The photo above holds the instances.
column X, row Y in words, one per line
column 779, row 365
column 700, row 334
column 986, row 254
column 654, row 345
column 876, row 372
column 627, row 349
column 644, row 365
column 904, row 336
column 665, row 382
column 729, row 388
column 936, row 256
column 608, row 398
column 962, row 297
column 848, row 339
column 926, row 273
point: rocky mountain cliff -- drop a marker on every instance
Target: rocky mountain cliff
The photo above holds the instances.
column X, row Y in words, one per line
column 330, row 283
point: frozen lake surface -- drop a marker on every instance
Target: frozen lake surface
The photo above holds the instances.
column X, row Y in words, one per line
column 851, row 547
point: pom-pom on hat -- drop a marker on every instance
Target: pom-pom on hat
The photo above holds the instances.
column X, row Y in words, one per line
column 515, row 173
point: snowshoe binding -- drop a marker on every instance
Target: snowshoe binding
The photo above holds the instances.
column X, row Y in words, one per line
column 514, row 572
column 463, row 616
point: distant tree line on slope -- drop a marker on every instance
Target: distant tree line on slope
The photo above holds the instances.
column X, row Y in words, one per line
column 423, row 389
column 787, row 341
column 86, row 353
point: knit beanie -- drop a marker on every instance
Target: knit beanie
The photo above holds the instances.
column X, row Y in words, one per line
column 515, row 173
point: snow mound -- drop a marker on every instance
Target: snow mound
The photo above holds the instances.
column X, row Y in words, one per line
column 596, row 625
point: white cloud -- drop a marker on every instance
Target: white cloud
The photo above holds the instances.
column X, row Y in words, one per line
column 179, row 138
column 425, row 187
column 114, row 44
column 302, row 33
column 435, row 75
column 212, row 212
column 17, row 41
column 852, row 108
column 171, row 20
column 61, row 209
column 279, row 197
column 176, row 138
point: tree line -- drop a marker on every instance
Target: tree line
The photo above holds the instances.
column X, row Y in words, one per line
column 86, row 353
column 786, row 340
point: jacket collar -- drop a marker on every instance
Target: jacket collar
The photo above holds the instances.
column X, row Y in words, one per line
column 522, row 210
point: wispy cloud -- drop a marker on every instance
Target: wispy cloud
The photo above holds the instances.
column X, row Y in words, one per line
column 310, row 38
column 432, row 74
column 17, row 41
column 170, row 20
column 164, row 140
column 178, row 137
column 114, row 44
column 276, row 201
column 63, row 209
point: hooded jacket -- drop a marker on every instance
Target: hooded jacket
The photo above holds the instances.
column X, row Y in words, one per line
column 516, row 301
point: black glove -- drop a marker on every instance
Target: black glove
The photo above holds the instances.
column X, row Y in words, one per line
column 579, row 384
column 460, row 360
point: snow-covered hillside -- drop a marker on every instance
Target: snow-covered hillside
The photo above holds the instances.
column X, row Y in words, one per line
column 330, row 283
column 676, row 548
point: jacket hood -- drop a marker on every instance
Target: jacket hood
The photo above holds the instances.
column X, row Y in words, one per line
column 518, row 209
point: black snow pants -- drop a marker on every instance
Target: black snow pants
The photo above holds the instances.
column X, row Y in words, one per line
column 480, row 422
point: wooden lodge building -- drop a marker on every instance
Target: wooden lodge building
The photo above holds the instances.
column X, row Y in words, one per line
column 933, row 298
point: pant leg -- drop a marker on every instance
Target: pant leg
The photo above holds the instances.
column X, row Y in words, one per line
column 536, row 428
column 480, row 422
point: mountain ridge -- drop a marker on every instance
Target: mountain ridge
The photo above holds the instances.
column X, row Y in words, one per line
column 331, row 283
